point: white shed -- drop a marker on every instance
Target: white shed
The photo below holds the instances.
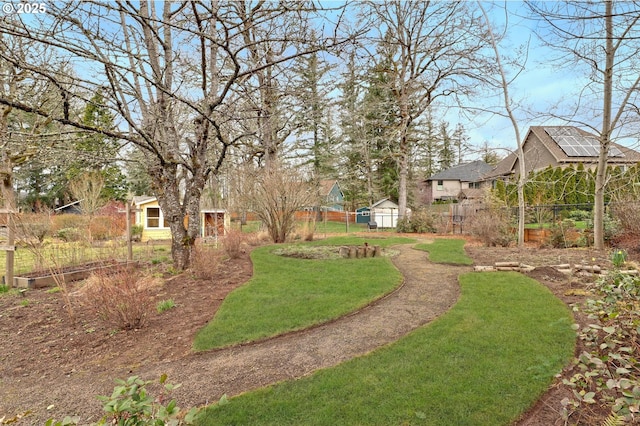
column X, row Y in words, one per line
column 385, row 213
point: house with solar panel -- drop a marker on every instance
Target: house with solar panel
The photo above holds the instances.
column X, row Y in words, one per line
column 560, row 146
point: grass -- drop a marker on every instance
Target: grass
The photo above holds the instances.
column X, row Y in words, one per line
column 483, row 363
column 321, row 227
column 579, row 224
column 165, row 305
column 287, row 294
column 445, row 250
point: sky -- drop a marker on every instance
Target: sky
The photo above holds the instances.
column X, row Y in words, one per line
column 537, row 88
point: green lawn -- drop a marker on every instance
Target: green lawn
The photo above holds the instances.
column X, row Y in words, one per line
column 483, row 363
column 445, row 250
column 287, row 294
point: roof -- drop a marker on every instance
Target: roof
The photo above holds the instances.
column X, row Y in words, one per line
column 570, row 144
column 381, row 202
column 327, row 185
column 467, row 172
column 66, row 206
column 567, row 145
column 143, row 199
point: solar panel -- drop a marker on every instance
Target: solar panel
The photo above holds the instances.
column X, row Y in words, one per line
column 576, row 144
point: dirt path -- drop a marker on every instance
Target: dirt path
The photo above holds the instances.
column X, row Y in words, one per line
column 50, row 368
column 429, row 290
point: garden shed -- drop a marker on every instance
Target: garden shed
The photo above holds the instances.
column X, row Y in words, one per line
column 363, row 215
column 213, row 222
column 385, row 213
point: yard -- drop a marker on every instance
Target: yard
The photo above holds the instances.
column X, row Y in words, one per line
column 47, row 355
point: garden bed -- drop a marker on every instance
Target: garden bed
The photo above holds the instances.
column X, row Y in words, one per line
column 49, row 278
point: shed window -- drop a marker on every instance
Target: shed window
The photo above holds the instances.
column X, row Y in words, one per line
column 155, row 218
column 440, row 185
column 364, row 213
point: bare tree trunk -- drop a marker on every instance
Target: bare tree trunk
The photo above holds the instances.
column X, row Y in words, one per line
column 504, row 86
column 605, row 135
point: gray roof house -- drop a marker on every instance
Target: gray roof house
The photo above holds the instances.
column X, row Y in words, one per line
column 449, row 184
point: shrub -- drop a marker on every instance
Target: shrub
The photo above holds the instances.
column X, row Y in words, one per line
column 204, row 261
column 136, row 232
column 106, row 227
column 606, row 371
column 420, row 221
column 71, row 234
column 233, row 243
column 32, row 227
column 578, row 215
column 131, row 404
column 563, row 235
column 120, row 298
column 492, row 227
column 626, row 214
column 65, row 221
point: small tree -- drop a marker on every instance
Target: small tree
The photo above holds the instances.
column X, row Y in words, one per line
column 278, row 192
column 87, row 189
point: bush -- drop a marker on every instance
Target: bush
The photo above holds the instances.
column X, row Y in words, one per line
column 563, row 235
column 30, row 227
column 120, row 298
column 204, row 261
column 233, row 243
column 492, row 227
column 420, row 221
column 107, row 227
column 626, row 214
column 578, row 215
column 66, row 221
column 136, row 232
column 71, row 234
column 606, row 371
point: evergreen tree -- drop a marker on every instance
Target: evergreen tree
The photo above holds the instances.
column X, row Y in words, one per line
column 96, row 151
column 315, row 134
column 446, row 156
column 460, row 141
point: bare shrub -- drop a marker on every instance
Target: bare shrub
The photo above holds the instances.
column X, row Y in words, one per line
column 275, row 194
column 492, row 227
column 122, row 298
column 107, row 227
column 257, row 238
column 626, row 213
column 31, row 231
column 204, row 261
column 233, row 243
column 420, row 221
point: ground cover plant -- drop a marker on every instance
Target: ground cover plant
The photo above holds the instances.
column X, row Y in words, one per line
column 288, row 293
column 605, row 374
column 445, row 250
column 466, row 368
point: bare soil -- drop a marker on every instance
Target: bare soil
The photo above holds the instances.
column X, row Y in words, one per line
column 53, row 364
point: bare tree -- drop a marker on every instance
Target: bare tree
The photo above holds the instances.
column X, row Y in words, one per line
column 436, row 49
column 87, row 189
column 503, row 84
column 168, row 72
column 599, row 41
column 277, row 194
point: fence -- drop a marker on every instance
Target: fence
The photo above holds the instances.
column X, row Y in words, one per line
column 28, row 259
